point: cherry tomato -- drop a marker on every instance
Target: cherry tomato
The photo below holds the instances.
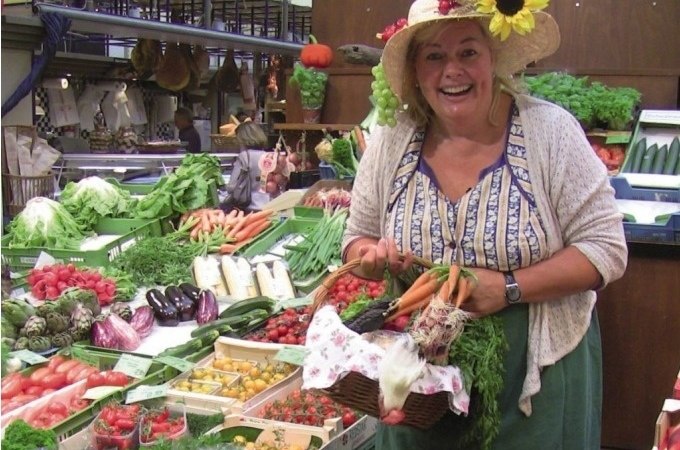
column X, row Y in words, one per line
column 124, row 424
column 348, row 419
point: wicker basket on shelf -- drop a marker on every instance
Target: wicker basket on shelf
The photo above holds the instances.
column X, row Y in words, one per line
column 362, row 393
column 222, row 143
column 17, row 190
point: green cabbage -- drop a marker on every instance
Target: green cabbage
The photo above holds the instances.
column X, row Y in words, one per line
column 45, row 223
column 92, row 198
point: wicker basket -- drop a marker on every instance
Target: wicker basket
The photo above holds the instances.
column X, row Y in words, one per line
column 361, row 393
column 17, row 190
column 221, row 143
column 166, row 148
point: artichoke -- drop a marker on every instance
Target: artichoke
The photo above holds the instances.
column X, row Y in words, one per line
column 9, row 342
column 101, row 317
column 21, row 343
column 78, row 335
column 82, row 318
column 8, row 330
column 70, row 298
column 56, row 323
column 44, row 309
column 122, row 310
column 22, row 332
column 39, row 343
column 61, row 340
column 17, row 311
column 35, row 326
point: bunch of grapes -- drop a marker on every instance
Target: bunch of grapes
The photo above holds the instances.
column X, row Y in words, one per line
column 385, row 100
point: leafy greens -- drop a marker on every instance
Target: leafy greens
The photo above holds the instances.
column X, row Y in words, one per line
column 45, row 223
column 92, row 198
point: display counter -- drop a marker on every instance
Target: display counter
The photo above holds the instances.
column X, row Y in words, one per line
column 640, row 343
column 128, row 163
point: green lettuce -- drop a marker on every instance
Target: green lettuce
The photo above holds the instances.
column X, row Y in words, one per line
column 93, row 198
column 45, row 223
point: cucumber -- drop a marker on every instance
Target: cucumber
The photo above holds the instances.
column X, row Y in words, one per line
column 630, row 156
column 648, row 159
column 672, row 158
column 677, row 167
column 660, row 160
column 192, row 346
column 640, row 148
column 244, row 306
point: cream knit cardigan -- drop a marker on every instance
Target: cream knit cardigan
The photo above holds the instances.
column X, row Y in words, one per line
column 574, row 200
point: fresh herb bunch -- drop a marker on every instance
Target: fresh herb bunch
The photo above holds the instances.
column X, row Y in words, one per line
column 312, row 84
column 479, row 353
column 159, row 261
column 343, row 160
column 199, row 424
column 21, row 436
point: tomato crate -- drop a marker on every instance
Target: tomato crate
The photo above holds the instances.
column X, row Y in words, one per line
column 123, row 235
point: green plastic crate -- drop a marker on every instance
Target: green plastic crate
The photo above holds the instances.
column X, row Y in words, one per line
column 25, row 258
column 307, row 212
column 269, row 238
column 143, row 189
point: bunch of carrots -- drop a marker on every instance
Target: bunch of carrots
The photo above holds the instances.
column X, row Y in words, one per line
column 453, row 284
column 226, row 231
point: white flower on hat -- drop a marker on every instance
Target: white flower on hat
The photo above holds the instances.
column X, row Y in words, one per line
column 511, row 15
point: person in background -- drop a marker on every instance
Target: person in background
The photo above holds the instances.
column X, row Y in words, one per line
column 184, row 121
column 253, row 142
column 478, row 174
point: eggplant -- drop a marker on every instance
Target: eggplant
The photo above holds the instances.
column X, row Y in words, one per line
column 207, row 307
column 142, row 320
column 190, row 291
column 166, row 313
column 185, row 306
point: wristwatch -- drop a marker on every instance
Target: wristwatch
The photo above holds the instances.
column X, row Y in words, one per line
column 513, row 294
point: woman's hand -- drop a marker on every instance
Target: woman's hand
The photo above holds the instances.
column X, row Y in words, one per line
column 488, row 296
column 375, row 257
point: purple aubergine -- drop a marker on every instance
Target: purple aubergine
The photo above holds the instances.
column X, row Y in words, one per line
column 127, row 337
column 165, row 312
column 142, row 320
column 185, row 306
column 207, row 307
column 102, row 336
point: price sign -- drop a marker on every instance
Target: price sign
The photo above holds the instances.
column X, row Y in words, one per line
column 146, row 392
column 617, row 138
column 29, row 357
column 98, row 392
column 133, row 366
column 177, row 363
column 84, row 356
column 292, row 355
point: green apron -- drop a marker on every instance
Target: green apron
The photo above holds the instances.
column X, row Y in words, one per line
column 566, row 412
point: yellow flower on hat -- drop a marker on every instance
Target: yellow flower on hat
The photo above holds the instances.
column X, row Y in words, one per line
column 510, row 15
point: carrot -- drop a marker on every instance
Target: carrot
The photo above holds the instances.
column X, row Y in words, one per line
column 227, row 248
column 206, row 225
column 197, row 213
column 231, row 219
column 422, row 279
column 184, row 217
column 251, row 229
column 252, row 217
column 454, row 275
column 194, row 233
column 412, row 307
column 464, row 291
column 238, row 225
column 444, row 291
column 416, row 295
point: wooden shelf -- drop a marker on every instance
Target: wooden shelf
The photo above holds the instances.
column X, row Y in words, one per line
column 314, row 126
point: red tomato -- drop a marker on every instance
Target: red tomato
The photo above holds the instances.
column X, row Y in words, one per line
column 35, row 390
column 55, row 362
column 48, row 391
column 113, row 378
column 57, row 408
column 84, row 373
column 95, row 379
column 76, row 372
column 24, row 398
column 25, row 382
column 11, row 389
column 54, row 381
column 10, row 406
column 40, row 373
column 66, row 366
column 348, row 419
column 78, row 403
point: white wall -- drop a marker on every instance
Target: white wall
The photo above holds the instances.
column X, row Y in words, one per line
column 16, row 64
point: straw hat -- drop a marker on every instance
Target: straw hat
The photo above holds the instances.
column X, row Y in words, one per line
column 514, row 51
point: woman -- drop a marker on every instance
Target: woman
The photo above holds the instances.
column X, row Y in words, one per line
column 253, row 142
column 479, row 175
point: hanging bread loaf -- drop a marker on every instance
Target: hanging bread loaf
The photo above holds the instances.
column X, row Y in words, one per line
column 173, row 72
column 228, row 77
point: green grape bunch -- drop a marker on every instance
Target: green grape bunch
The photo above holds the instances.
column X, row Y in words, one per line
column 385, row 100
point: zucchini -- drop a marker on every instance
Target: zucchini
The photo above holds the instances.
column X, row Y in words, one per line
column 245, row 306
column 192, row 346
column 220, row 325
column 660, row 160
column 648, row 159
column 672, row 158
column 640, row 149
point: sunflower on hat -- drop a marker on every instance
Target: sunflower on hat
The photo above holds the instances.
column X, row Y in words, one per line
column 511, row 15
